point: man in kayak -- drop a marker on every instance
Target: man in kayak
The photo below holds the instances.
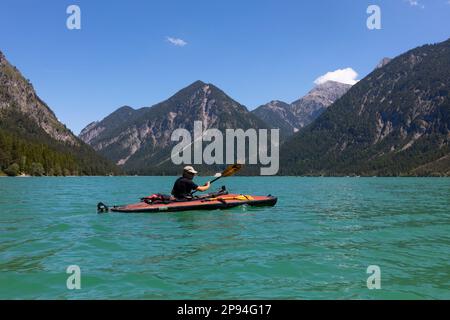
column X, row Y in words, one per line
column 184, row 185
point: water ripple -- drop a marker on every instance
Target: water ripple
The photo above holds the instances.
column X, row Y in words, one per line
column 315, row 244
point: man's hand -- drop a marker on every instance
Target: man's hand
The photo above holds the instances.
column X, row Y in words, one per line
column 204, row 187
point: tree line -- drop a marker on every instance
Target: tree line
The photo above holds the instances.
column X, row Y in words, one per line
column 21, row 156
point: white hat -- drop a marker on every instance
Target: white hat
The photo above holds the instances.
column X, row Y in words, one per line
column 190, row 169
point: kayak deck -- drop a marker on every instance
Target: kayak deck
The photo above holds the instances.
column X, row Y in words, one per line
column 221, row 202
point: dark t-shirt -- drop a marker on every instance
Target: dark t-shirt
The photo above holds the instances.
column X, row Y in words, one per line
column 183, row 187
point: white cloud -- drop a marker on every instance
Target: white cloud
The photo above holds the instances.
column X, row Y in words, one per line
column 415, row 3
column 347, row 76
column 176, row 41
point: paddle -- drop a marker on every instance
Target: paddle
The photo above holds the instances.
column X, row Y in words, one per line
column 228, row 172
column 231, row 170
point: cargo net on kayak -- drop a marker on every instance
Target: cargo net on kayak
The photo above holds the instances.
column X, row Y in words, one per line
column 167, row 199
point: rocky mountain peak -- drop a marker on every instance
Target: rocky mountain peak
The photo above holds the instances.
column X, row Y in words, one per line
column 326, row 93
column 125, row 109
column 289, row 118
column 317, row 101
column 196, row 85
column 277, row 104
column 144, row 137
column 196, row 88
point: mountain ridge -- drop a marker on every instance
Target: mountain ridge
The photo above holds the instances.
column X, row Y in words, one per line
column 393, row 122
column 32, row 140
column 291, row 117
column 142, row 141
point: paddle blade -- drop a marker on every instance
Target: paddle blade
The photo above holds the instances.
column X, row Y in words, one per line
column 232, row 170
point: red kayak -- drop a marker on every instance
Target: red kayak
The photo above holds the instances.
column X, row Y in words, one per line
column 212, row 203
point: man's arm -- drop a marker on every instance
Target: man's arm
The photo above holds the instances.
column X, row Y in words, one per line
column 204, row 188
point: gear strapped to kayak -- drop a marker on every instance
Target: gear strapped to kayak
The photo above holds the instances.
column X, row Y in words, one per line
column 218, row 200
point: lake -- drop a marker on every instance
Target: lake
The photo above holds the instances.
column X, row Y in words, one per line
column 317, row 243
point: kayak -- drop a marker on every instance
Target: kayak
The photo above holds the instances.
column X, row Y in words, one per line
column 226, row 201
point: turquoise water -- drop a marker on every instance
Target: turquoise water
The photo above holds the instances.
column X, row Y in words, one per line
column 315, row 244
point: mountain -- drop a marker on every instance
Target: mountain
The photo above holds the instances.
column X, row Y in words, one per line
column 383, row 62
column 289, row 118
column 279, row 115
column 109, row 124
column 140, row 140
column 32, row 140
column 393, row 122
column 308, row 108
column 18, row 95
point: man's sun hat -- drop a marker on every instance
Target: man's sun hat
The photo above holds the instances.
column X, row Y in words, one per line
column 190, row 169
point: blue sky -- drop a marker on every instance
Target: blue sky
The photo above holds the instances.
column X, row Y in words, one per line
column 256, row 51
